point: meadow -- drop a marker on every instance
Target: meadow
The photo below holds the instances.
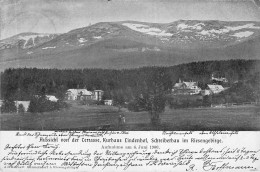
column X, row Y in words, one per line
column 100, row 117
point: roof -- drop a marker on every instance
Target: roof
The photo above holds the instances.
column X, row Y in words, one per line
column 178, row 84
column 18, row 101
column 51, row 97
column 215, row 87
column 190, row 84
column 78, row 91
column 24, row 103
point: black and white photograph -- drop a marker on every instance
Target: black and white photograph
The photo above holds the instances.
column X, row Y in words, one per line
column 130, row 65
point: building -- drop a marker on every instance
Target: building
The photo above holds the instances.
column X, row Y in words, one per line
column 24, row 103
column 221, row 79
column 215, row 89
column 79, row 94
column 108, row 102
column 186, row 88
column 51, row 98
column 97, row 95
column 1, row 103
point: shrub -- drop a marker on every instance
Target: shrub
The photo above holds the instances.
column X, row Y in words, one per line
column 41, row 104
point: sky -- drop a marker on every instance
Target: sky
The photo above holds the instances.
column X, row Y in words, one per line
column 59, row 16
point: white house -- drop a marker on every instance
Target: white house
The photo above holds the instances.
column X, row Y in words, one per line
column 78, row 94
column 51, row 98
column 108, row 102
column 186, row 88
column 24, row 103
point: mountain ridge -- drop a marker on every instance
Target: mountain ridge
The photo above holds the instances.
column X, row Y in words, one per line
column 26, row 40
column 132, row 44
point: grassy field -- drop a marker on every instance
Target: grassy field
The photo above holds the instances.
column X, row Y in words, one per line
column 106, row 118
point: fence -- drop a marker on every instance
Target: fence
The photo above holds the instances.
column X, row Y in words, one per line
column 234, row 104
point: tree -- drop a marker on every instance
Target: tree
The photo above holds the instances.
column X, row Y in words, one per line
column 8, row 107
column 39, row 104
column 207, row 100
column 118, row 99
column 153, row 94
column 21, row 109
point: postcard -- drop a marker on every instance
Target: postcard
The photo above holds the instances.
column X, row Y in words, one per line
column 127, row 85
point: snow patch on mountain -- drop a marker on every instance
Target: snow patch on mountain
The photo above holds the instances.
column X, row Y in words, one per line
column 247, row 26
column 197, row 26
column 97, row 37
column 141, row 27
column 28, row 37
column 150, row 49
column 243, row 34
column 204, row 32
column 212, row 32
column 29, row 52
column 164, row 39
column 147, row 29
column 48, row 48
column 81, row 40
column 160, row 33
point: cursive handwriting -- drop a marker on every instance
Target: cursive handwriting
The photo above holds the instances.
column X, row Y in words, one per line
column 71, row 134
column 54, row 156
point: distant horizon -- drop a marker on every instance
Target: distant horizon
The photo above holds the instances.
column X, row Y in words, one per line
column 126, row 21
column 55, row 16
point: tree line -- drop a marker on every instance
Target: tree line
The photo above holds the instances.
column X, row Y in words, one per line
column 144, row 84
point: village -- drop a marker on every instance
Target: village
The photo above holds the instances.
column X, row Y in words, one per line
column 188, row 90
column 192, row 88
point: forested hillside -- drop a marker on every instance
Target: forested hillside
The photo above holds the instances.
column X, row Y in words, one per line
column 126, row 84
